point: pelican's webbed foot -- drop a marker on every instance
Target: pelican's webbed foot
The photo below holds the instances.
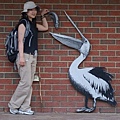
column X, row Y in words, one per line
column 89, row 110
column 85, row 109
column 81, row 110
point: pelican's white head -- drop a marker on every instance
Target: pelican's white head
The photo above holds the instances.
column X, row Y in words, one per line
column 85, row 48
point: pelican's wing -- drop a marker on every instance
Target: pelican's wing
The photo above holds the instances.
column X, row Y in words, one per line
column 68, row 41
column 100, row 85
column 100, row 72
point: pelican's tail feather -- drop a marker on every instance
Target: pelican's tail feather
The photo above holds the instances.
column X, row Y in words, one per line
column 112, row 103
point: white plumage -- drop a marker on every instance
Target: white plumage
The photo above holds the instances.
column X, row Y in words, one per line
column 92, row 82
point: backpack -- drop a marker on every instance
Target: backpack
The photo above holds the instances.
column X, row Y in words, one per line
column 11, row 43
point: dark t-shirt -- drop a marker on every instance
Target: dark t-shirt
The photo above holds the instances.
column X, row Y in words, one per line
column 31, row 41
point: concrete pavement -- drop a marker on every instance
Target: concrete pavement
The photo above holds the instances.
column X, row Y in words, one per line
column 61, row 116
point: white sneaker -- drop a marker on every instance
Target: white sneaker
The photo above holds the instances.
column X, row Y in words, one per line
column 15, row 111
column 28, row 112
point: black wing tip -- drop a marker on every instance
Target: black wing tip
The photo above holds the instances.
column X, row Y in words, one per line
column 100, row 72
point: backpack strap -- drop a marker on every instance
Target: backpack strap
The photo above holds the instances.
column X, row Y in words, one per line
column 27, row 31
column 27, row 28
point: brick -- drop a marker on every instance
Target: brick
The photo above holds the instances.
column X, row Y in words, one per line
column 12, row 6
column 5, row 92
column 50, row 81
column 68, row 93
column 1, row 75
column 117, row 7
column 6, row 12
column 107, row 42
column 60, row 6
column 99, row 24
column 62, row 75
column 5, row 1
column 51, row 58
column 114, row 36
column 77, row 7
column 10, row 87
column 58, row 98
column 52, row 93
column 5, row 69
column 92, row 7
column 1, row 29
column 99, row 47
column 64, row 58
column 48, row 98
column 107, row 30
column 108, row 19
column 53, row 70
column 59, row 64
column 5, row 81
column 5, row 23
column 113, row 24
column 2, row 18
column 106, row 64
column 99, row 58
column 114, row 2
column 107, row 53
column 2, row 87
column 11, row 75
column 60, row 109
column 44, row 64
column 44, row 75
column 67, row 1
column 63, row 70
column 100, row 13
column 113, row 70
column 67, row 104
column 100, row 2
column 91, row 64
column 84, row 24
column 59, row 52
column 106, row 110
column 83, row 1
column 113, row 59
column 59, row 87
column 11, row 18
column 91, row 30
column 76, row 99
column 115, row 13
column 45, row 52
column 117, row 53
column 94, row 41
column 114, row 47
column 107, row 7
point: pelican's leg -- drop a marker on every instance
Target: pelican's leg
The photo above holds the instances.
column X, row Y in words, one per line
column 84, row 108
column 89, row 110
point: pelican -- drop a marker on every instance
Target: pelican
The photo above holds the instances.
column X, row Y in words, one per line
column 92, row 82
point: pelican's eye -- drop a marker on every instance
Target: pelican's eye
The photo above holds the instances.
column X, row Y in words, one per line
column 85, row 41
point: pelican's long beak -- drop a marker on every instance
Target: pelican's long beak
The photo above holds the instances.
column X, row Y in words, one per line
column 68, row 41
column 83, row 37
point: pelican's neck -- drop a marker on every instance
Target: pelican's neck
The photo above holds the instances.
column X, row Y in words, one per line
column 77, row 61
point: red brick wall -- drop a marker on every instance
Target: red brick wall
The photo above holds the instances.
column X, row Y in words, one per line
column 99, row 21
